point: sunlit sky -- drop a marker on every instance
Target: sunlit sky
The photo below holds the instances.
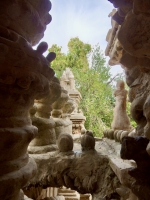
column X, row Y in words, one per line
column 86, row 19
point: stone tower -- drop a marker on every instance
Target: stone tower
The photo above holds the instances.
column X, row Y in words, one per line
column 67, row 81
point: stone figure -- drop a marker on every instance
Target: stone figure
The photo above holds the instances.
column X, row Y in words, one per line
column 120, row 120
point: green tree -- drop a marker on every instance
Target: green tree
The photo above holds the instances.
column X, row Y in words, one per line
column 60, row 63
column 76, row 58
column 97, row 102
column 91, row 80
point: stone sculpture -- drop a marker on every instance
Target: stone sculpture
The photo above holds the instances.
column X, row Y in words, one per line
column 24, row 76
column 67, row 81
column 120, row 119
column 133, row 35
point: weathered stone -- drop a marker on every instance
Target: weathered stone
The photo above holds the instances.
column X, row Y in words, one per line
column 88, row 141
column 131, row 35
column 65, row 142
column 135, row 149
column 24, row 76
column 120, row 119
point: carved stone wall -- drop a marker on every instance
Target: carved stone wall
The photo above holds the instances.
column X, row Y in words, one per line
column 24, row 76
column 133, row 19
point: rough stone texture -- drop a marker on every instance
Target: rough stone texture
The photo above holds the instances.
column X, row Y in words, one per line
column 135, row 149
column 85, row 172
column 67, row 109
column 61, row 119
column 65, row 142
column 131, row 35
column 116, row 52
column 45, row 139
column 88, row 141
column 24, row 76
column 134, row 38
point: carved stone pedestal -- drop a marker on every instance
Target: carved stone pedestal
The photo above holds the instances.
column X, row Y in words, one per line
column 68, row 194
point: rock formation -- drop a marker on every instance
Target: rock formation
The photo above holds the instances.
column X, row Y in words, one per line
column 85, row 172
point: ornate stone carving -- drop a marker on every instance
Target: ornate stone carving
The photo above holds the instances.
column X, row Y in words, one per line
column 67, row 81
column 120, row 120
column 24, row 76
column 45, row 139
column 61, row 125
column 134, row 38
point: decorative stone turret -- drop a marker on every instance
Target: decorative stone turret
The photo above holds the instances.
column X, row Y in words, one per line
column 67, row 81
column 24, row 76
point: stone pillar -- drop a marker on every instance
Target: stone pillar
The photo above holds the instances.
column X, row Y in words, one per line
column 45, row 140
column 24, row 75
column 67, row 110
column 57, row 112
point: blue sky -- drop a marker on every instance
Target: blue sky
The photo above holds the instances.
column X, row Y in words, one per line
column 86, row 19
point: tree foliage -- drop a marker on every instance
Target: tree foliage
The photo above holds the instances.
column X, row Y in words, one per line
column 91, row 75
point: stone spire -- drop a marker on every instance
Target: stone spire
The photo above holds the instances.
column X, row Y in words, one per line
column 67, row 81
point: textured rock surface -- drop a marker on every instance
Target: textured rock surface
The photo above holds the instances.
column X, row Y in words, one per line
column 85, row 172
column 134, row 36
column 45, row 139
column 24, row 76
